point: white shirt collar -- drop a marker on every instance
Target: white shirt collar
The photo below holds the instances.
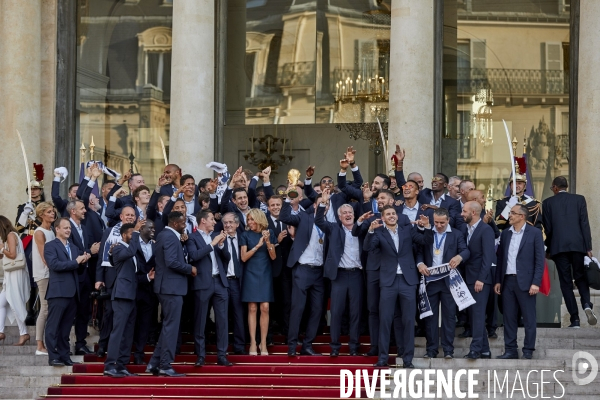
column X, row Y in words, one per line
column 75, row 223
column 174, row 231
column 448, row 229
column 512, row 229
column 416, row 207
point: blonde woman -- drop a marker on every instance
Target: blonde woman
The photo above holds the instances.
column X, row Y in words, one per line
column 43, row 234
column 16, row 287
column 257, row 250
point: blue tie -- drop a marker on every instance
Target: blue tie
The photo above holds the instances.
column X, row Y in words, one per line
column 69, row 251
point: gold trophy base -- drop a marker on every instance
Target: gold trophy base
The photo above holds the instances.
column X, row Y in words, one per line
column 292, row 193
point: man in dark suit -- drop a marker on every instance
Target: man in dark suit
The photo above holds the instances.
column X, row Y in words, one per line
column 343, row 267
column 444, row 245
column 568, row 241
column 170, row 284
column 478, row 276
column 172, row 180
column 146, row 302
column 437, row 197
column 123, row 301
column 63, row 261
column 80, row 237
column 234, row 276
column 133, row 181
column 372, row 261
column 306, row 258
column 282, row 276
column 207, row 252
column 59, row 202
column 518, row 278
column 398, row 279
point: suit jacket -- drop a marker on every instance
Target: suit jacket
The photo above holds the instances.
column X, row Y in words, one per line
column 199, row 257
column 483, row 255
column 530, row 258
column 450, row 204
column 566, row 224
column 59, row 202
column 391, row 257
column 171, row 267
column 304, row 222
column 464, row 227
column 104, row 273
column 82, row 247
column 145, row 288
column 125, row 265
column 282, row 250
column 454, row 245
column 153, row 214
column 92, row 220
column 113, row 211
column 63, row 280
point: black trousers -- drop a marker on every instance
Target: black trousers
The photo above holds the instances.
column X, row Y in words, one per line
column 107, row 323
column 236, row 309
column 480, row 341
column 121, row 336
column 61, row 312
column 145, row 307
column 516, row 300
column 373, row 292
column 164, row 352
column 439, row 294
column 347, row 285
column 307, row 282
column 218, row 294
column 565, row 263
column 83, row 311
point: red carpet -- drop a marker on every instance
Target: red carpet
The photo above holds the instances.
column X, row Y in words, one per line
column 276, row 376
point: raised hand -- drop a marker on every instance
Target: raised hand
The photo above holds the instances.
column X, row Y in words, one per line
column 365, row 216
column 489, row 216
column 310, row 170
column 399, row 153
column 375, row 225
column 141, row 222
column 366, row 190
column 266, row 174
column 344, row 164
column 282, row 235
column 211, row 186
column 349, row 155
column 266, row 235
column 423, row 221
column 162, row 180
column 325, row 196
column 95, row 171
column 125, row 177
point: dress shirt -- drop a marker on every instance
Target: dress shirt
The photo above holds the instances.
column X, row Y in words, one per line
column 231, row 266
column 439, row 259
column 471, row 229
column 141, row 212
column 313, row 255
column 244, row 216
column 396, row 240
column 146, row 248
column 276, row 222
column 134, row 259
column 189, row 206
column 208, row 240
column 411, row 212
column 513, row 249
column 351, row 256
column 79, row 230
column 298, row 211
column 174, row 231
column 68, row 248
column 438, row 202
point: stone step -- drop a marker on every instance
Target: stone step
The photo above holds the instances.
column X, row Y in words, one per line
column 29, row 370
column 41, row 361
column 28, row 381
column 22, row 393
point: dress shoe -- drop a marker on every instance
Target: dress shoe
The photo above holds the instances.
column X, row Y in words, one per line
column 430, row 355
column 199, row 361
column 334, row 353
column 372, row 352
column 492, row 334
column 113, row 373
column 353, row 352
column 82, row 351
column 473, row 355
column 508, row 356
column 101, row 352
column 486, row 355
column 240, row 353
column 169, row 372
column 467, row 333
column 68, row 362
column 151, row 369
column 308, row 351
column 138, row 359
column 224, row 361
column 408, row 365
column 291, row 352
column 591, row 317
column 381, row 363
column 56, row 363
column 126, row 372
column 448, row 356
column 528, row 355
column 575, row 324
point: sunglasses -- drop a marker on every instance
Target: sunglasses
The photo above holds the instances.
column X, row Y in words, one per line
column 515, row 213
column 437, row 179
column 408, row 187
column 327, row 181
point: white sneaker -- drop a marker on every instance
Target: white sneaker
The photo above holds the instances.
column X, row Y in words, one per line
column 591, row 317
column 40, row 353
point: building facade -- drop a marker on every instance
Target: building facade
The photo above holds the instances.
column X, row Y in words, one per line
column 289, row 83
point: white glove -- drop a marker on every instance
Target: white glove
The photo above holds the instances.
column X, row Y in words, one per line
column 509, row 204
column 61, row 172
column 28, row 213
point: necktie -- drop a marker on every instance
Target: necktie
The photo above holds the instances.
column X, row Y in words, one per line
column 470, row 234
column 234, row 256
column 69, row 251
column 185, row 252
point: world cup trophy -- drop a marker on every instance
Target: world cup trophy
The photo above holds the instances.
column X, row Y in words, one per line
column 293, row 178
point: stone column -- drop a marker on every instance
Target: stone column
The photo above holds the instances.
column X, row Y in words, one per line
column 412, row 83
column 20, row 103
column 192, row 86
column 588, row 118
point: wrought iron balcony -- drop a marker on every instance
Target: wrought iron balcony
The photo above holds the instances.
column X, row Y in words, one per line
column 513, row 81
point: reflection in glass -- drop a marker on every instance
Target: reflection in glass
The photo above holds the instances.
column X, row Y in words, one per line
column 507, row 60
column 124, row 82
column 301, row 62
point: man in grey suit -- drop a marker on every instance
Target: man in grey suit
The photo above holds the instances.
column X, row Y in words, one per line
column 170, row 284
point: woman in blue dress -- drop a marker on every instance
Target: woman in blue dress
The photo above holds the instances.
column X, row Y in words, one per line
column 257, row 251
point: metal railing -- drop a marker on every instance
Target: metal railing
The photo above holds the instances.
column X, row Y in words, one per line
column 513, row 81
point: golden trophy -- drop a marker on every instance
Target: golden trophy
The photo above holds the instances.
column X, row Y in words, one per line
column 293, row 178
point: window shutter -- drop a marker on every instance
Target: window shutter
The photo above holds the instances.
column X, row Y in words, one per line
column 478, row 54
column 553, row 57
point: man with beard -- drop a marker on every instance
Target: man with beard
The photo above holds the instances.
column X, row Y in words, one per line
column 437, row 197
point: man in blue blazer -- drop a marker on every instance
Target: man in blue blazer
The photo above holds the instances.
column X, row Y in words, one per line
column 398, row 279
column 478, row 276
column 444, row 245
column 518, row 278
column 306, row 258
column 170, row 284
column 437, row 197
column 207, row 252
column 344, row 268
column 123, row 301
column 63, row 260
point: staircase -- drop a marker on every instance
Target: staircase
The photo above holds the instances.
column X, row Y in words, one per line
column 278, row 376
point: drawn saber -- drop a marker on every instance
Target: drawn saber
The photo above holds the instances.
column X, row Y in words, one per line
column 162, row 144
column 26, row 165
column 384, row 143
column 512, row 159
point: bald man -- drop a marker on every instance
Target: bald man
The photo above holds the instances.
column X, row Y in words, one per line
column 478, row 275
column 172, row 174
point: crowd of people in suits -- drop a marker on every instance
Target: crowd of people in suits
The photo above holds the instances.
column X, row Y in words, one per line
column 268, row 261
